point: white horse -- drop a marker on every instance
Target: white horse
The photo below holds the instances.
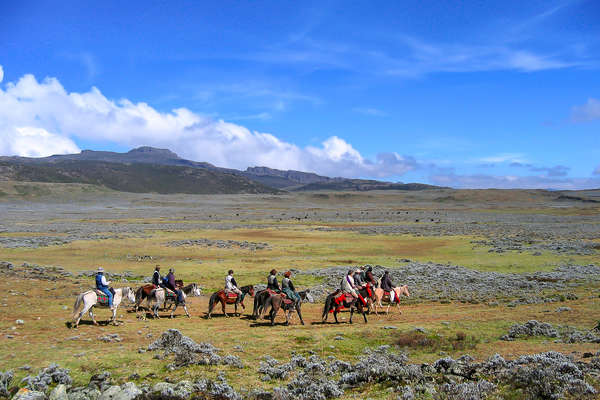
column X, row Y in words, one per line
column 90, row 299
column 159, row 300
column 380, row 296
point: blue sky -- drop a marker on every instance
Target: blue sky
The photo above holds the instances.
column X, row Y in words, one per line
column 463, row 94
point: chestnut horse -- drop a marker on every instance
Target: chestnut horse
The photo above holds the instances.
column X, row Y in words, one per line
column 276, row 301
column 222, row 297
column 380, row 296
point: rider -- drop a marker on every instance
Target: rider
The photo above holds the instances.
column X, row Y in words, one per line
column 272, row 281
column 387, row 285
column 359, row 279
column 156, row 278
column 288, row 287
column 349, row 287
column 171, row 285
column 369, row 277
column 102, row 285
column 231, row 284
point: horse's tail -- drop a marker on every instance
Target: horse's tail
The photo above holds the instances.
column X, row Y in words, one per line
column 211, row 301
column 327, row 306
column 77, row 304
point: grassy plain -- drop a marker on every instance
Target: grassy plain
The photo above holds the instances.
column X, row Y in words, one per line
column 293, row 243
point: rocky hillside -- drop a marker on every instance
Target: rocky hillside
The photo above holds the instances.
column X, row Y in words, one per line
column 134, row 177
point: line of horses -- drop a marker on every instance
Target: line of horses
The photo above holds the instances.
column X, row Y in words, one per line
column 264, row 300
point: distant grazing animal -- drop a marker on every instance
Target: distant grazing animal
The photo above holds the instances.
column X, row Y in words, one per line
column 277, row 301
column 380, row 296
column 225, row 298
column 338, row 300
column 90, row 299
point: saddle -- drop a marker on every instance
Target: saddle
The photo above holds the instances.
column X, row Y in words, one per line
column 274, row 293
column 229, row 295
column 338, row 299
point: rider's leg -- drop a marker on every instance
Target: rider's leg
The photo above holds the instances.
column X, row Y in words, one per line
column 392, row 294
column 110, row 297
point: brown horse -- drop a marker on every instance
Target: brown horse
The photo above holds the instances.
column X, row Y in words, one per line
column 144, row 292
column 380, row 296
column 334, row 303
column 222, row 297
column 277, row 301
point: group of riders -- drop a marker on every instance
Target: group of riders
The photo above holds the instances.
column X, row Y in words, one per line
column 351, row 284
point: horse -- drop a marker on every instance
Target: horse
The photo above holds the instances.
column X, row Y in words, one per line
column 222, row 297
column 90, row 299
column 259, row 302
column 158, row 296
column 143, row 292
column 347, row 301
column 380, row 295
column 276, row 301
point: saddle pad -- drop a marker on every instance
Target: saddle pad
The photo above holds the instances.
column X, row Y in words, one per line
column 273, row 293
column 232, row 295
column 170, row 295
column 102, row 298
column 287, row 301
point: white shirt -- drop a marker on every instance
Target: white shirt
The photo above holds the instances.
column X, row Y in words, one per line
column 104, row 281
column 228, row 284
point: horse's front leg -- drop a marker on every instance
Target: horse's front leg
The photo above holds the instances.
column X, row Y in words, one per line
column 335, row 316
column 173, row 312
column 186, row 311
column 114, row 316
column 300, row 315
column 351, row 313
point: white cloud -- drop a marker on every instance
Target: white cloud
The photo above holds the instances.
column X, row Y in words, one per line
column 504, row 157
column 40, row 118
column 590, row 111
column 28, row 141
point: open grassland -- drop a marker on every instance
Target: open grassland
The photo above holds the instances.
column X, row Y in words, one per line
column 305, row 232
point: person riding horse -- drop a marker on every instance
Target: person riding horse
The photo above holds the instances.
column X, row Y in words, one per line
column 231, row 285
column 387, row 285
column 359, row 279
column 272, row 283
column 157, row 280
column 369, row 277
column 287, row 286
column 349, row 287
column 103, row 285
column 170, row 284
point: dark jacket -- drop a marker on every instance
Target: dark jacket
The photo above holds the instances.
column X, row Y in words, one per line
column 287, row 283
column 171, row 281
column 371, row 278
column 272, row 283
column 386, row 282
column 359, row 279
column 156, row 280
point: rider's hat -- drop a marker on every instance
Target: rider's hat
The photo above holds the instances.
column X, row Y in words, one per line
column 358, row 270
column 287, row 274
column 100, row 269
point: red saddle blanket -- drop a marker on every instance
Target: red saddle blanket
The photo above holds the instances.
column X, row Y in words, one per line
column 232, row 295
column 170, row 295
column 287, row 301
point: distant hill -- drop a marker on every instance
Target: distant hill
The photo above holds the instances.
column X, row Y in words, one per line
column 134, row 177
column 65, row 168
column 338, row 184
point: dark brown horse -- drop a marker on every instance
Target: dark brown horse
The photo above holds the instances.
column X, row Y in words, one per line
column 335, row 302
column 143, row 292
column 222, row 297
column 277, row 301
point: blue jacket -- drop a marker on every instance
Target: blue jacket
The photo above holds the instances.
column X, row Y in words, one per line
column 99, row 284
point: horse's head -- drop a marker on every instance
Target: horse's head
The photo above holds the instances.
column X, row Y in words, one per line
column 309, row 297
column 404, row 290
column 196, row 291
column 251, row 291
column 130, row 294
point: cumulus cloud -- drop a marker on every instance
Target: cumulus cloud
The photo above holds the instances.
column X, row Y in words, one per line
column 42, row 118
column 590, row 111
